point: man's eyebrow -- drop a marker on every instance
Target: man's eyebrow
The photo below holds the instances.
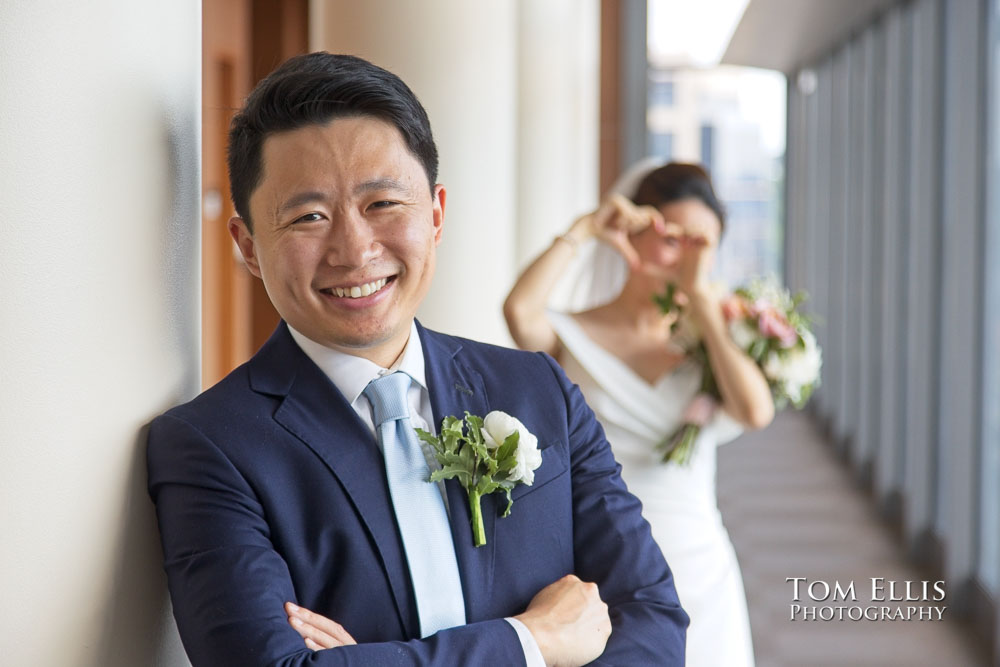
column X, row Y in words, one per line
column 376, row 184
column 300, row 198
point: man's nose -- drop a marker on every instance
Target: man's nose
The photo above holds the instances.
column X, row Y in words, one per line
column 352, row 240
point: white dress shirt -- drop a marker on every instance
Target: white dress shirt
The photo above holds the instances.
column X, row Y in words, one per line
column 351, row 374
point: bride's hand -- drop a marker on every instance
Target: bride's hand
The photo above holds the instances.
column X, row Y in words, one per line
column 614, row 221
column 695, row 264
column 697, row 254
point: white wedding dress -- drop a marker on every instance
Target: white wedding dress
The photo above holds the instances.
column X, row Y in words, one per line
column 678, row 501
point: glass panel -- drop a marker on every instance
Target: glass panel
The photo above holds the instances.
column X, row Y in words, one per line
column 661, row 145
column 989, row 528
column 923, row 239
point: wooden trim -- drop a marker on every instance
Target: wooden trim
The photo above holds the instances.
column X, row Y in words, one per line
column 279, row 30
column 611, row 92
column 226, row 285
column 242, row 41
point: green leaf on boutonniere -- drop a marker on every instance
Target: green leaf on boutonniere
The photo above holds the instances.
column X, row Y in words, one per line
column 506, row 452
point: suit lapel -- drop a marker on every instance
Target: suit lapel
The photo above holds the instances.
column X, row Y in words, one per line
column 454, row 389
column 318, row 414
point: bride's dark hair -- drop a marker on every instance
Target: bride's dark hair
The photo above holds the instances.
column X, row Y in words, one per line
column 677, row 181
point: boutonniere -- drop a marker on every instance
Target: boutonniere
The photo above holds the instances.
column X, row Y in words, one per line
column 486, row 455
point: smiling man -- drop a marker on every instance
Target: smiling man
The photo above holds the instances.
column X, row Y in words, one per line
column 345, row 227
column 297, row 523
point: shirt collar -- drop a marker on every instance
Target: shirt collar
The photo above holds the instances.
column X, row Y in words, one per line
column 351, row 374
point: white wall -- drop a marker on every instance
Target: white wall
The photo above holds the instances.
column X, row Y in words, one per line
column 99, row 261
column 558, row 118
column 511, row 90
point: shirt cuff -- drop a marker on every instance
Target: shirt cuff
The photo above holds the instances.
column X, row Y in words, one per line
column 532, row 654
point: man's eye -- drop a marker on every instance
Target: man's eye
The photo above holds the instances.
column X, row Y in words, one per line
column 385, row 203
column 309, row 217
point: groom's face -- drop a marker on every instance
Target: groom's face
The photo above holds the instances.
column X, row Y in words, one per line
column 345, row 234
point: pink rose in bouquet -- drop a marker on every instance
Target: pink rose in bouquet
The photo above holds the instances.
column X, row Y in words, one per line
column 773, row 324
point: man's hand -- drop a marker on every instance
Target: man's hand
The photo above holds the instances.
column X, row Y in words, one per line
column 318, row 631
column 569, row 621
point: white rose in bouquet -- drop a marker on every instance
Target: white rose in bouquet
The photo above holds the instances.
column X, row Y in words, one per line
column 743, row 333
column 795, row 368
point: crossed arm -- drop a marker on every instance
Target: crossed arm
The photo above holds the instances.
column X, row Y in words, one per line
column 567, row 618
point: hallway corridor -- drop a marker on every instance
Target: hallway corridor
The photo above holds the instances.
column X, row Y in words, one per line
column 793, row 510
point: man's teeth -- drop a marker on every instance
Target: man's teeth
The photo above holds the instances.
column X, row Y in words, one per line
column 359, row 291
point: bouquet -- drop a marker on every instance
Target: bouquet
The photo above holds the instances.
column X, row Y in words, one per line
column 765, row 321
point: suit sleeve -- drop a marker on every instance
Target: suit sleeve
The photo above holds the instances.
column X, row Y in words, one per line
column 228, row 583
column 614, row 547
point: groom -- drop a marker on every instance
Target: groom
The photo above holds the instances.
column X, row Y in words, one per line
column 292, row 504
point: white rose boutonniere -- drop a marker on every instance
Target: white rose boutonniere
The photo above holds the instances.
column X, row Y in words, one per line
column 485, row 455
column 497, row 427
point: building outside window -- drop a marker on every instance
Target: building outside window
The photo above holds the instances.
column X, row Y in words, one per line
column 661, row 88
column 661, row 145
column 707, row 146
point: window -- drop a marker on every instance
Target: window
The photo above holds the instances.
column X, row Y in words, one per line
column 989, row 526
column 707, row 146
column 661, row 145
column 661, row 92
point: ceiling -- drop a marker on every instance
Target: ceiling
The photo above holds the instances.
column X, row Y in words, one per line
column 786, row 35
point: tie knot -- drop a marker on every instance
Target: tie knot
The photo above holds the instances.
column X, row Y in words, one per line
column 387, row 395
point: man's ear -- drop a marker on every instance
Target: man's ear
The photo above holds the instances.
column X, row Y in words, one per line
column 438, row 203
column 244, row 241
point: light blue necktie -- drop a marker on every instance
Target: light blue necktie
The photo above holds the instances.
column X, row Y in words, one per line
column 419, row 507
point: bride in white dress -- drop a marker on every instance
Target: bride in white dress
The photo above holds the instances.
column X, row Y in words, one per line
column 639, row 384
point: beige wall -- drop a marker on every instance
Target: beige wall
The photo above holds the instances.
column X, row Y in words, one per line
column 99, row 128
column 558, row 120
column 511, row 90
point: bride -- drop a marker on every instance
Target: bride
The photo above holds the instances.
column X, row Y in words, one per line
column 641, row 385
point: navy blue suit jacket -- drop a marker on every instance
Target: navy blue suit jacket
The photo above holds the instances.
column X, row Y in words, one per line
column 269, row 488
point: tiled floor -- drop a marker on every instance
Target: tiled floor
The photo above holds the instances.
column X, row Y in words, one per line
column 792, row 510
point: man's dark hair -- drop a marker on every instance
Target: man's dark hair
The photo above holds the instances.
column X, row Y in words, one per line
column 678, row 181
column 313, row 89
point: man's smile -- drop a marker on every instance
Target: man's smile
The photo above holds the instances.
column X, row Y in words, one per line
column 358, row 291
